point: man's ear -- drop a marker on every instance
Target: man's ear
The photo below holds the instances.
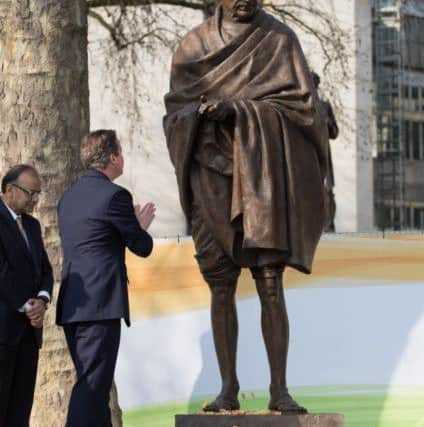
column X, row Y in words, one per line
column 8, row 187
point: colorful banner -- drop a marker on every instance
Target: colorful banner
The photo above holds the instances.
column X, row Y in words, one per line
column 356, row 345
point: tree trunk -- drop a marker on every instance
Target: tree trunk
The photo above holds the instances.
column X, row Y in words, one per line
column 44, row 111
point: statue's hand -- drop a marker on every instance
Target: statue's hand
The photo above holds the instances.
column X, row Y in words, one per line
column 217, row 109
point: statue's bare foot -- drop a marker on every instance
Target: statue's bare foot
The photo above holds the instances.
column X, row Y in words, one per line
column 223, row 403
column 286, row 404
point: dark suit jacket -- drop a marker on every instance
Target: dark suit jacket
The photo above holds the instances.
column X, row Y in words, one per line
column 23, row 273
column 96, row 223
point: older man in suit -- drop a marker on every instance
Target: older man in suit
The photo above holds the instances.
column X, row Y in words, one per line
column 26, row 282
column 97, row 221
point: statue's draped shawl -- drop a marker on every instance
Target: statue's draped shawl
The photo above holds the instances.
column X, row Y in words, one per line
column 278, row 140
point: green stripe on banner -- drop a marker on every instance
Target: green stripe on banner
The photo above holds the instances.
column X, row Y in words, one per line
column 362, row 406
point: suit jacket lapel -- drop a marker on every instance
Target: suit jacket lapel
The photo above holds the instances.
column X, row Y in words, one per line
column 15, row 229
column 32, row 240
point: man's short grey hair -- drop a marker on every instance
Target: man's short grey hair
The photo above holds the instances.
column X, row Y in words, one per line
column 97, row 147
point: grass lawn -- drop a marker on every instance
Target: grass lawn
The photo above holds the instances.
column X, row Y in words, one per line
column 362, row 406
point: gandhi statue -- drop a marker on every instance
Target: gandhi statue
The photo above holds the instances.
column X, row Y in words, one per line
column 246, row 136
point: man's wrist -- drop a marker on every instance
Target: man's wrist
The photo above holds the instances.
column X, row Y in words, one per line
column 44, row 299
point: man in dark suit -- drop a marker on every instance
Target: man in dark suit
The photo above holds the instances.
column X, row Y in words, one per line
column 97, row 221
column 26, row 282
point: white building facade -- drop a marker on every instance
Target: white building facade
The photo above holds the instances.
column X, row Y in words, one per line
column 134, row 107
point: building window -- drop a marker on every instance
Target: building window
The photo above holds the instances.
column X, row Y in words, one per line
column 415, row 141
column 395, row 213
column 395, row 133
column 405, row 92
column 407, row 213
column 385, row 3
column 415, row 92
column 407, row 139
column 417, row 218
column 422, row 140
column 422, row 96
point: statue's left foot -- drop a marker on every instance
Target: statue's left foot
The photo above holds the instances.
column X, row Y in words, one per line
column 222, row 403
column 286, row 404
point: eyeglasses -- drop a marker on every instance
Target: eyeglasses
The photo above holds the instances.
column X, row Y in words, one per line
column 30, row 193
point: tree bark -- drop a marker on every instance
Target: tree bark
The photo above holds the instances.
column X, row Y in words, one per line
column 44, row 112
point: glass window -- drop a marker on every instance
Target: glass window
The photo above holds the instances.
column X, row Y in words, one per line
column 421, row 213
column 396, row 217
column 406, row 138
column 407, row 219
column 422, row 139
column 405, row 91
column 422, row 96
column 417, row 218
column 414, row 92
column 387, row 3
column 395, row 134
column 416, row 140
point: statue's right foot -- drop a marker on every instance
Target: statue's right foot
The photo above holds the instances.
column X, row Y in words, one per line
column 222, row 403
column 285, row 404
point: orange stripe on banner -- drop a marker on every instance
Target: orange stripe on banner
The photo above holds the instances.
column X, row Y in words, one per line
column 169, row 280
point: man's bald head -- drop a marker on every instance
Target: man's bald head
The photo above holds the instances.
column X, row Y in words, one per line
column 21, row 188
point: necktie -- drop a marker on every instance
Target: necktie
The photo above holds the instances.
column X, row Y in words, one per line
column 22, row 230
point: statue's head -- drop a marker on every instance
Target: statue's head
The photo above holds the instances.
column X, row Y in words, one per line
column 240, row 10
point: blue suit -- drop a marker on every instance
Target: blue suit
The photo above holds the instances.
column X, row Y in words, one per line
column 96, row 223
column 24, row 272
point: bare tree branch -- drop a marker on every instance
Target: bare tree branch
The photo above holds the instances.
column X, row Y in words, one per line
column 109, row 27
column 137, row 27
column 330, row 36
column 123, row 3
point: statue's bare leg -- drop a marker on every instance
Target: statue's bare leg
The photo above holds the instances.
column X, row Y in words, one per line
column 221, row 274
column 275, row 330
column 225, row 333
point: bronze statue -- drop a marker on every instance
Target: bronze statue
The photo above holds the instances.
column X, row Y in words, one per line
column 245, row 133
column 329, row 181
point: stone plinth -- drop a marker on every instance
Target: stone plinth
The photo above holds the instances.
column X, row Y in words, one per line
column 250, row 420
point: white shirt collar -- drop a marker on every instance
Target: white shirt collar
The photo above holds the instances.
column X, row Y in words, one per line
column 12, row 212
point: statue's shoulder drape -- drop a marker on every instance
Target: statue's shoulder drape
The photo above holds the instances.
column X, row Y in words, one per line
column 278, row 137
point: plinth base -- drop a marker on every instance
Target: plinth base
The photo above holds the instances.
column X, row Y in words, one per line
column 250, row 420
